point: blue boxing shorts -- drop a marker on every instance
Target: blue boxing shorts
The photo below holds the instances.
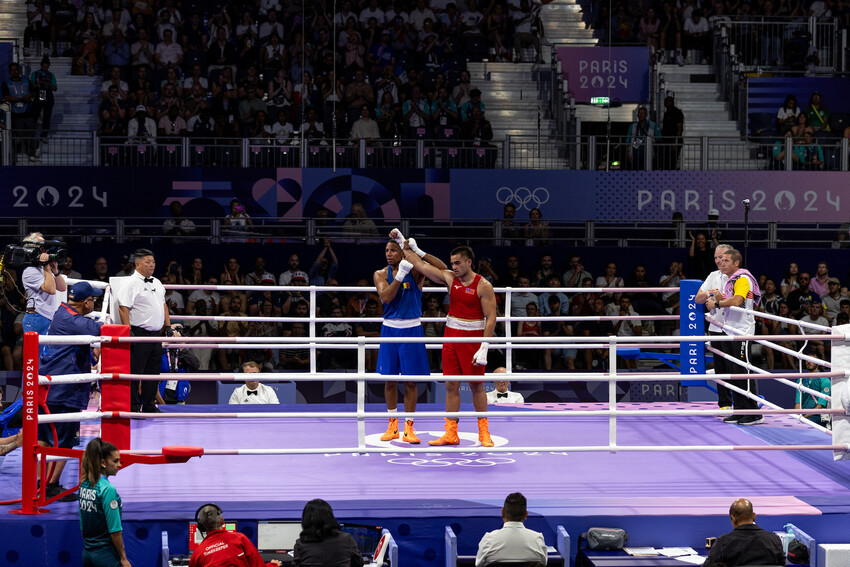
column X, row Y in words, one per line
column 406, row 359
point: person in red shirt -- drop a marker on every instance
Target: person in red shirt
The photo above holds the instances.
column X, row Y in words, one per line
column 472, row 313
column 221, row 548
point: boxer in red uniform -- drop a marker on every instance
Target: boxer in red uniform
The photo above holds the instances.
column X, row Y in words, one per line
column 472, row 313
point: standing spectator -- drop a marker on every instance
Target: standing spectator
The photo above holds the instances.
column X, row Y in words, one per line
column 639, row 132
column 514, row 542
column 325, row 267
column 365, row 128
column 237, row 221
column 701, row 255
column 141, row 306
column 672, row 126
column 248, row 111
column 510, row 231
column 17, row 92
column 43, row 85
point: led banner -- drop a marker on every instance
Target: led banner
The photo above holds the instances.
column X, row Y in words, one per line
column 615, row 72
column 439, row 194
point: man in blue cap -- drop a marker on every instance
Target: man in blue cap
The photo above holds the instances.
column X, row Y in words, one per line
column 68, row 359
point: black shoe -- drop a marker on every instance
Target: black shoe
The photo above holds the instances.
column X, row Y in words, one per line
column 732, row 419
column 56, row 489
column 751, row 420
column 151, row 409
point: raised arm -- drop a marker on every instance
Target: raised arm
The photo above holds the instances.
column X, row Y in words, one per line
column 434, row 271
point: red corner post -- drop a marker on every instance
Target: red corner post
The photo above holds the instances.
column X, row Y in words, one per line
column 30, row 426
column 115, row 394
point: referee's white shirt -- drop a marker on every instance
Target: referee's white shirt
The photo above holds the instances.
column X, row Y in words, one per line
column 265, row 395
column 715, row 280
column 144, row 300
column 513, row 398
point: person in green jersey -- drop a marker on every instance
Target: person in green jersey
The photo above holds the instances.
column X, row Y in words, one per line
column 100, row 507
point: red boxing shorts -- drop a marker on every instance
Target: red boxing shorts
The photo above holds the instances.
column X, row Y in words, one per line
column 457, row 357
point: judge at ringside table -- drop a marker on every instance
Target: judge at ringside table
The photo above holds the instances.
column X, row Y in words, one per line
column 502, row 394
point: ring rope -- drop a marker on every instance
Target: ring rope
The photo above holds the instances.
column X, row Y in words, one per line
column 795, row 322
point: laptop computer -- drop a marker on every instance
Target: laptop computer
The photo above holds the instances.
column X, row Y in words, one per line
column 275, row 540
column 368, row 539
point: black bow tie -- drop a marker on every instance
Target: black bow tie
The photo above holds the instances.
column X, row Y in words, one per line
column 253, row 393
column 148, row 280
column 499, row 395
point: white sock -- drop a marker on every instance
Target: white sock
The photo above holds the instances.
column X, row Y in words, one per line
column 394, row 410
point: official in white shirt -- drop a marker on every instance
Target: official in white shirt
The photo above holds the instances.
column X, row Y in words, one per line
column 514, row 542
column 141, row 305
column 252, row 392
column 713, row 285
column 501, row 395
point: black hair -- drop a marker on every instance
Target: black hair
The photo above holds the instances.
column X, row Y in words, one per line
column 318, row 522
column 464, row 251
column 141, row 253
column 515, row 507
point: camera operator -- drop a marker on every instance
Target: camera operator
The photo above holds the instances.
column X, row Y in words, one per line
column 41, row 282
column 176, row 361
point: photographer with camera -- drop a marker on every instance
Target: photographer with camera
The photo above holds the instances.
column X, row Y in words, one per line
column 176, row 361
column 41, row 282
column 43, row 85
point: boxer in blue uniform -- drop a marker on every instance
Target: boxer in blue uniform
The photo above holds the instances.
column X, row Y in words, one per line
column 401, row 292
column 69, row 319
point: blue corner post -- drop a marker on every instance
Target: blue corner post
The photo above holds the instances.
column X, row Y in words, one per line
column 691, row 324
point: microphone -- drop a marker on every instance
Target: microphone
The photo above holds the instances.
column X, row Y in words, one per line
column 746, row 202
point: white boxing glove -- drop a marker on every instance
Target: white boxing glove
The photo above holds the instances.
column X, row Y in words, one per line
column 404, row 268
column 397, row 236
column 480, row 357
column 412, row 243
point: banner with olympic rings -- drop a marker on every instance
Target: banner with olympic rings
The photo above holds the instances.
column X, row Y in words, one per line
column 438, row 194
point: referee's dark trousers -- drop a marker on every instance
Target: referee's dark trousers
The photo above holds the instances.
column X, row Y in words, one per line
column 145, row 358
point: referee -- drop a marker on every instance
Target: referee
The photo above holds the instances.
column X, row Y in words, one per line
column 141, row 305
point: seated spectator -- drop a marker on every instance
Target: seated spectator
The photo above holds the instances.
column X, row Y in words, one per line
column 141, row 128
column 113, row 99
column 815, row 316
column 801, row 299
column 249, row 108
column 38, row 23
column 786, row 117
column 537, row 230
column 417, row 114
column 172, row 124
column 172, row 77
column 281, row 131
column 63, row 23
column 697, row 36
column 194, row 34
column 529, row 357
column 178, row 225
column 115, row 79
column 117, row 51
column 252, row 392
column 270, row 27
column 365, row 128
column 280, row 93
column 86, row 43
column 296, row 358
column 444, row 115
column 474, row 101
column 514, row 542
column 141, row 80
column 220, row 546
column 817, row 113
column 747, row 544
column 168, row 53
column 525, row 21
column 833, row 298
column 558, row 329
column 501, row 394
column 358, row 223
column 322, row 542
column 167, row 99
column 477, row 130
column 247, row 53
column 228, row 358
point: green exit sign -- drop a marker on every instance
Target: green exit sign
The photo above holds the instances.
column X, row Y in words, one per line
column 600, row 100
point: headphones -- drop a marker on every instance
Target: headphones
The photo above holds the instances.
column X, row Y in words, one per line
column 198, row 512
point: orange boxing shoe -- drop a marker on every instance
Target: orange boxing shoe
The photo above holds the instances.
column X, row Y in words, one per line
column 392, row 430
column 484, row 433
column 410, row 433
column 449, row 437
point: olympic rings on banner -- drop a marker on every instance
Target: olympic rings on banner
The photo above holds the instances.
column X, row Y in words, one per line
column 521, row 196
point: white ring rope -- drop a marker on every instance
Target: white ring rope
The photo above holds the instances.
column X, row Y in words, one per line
column 794, row 353
column 795, row 322
column 543, row 318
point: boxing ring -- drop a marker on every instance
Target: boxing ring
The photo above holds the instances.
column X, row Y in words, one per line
column 652, row 468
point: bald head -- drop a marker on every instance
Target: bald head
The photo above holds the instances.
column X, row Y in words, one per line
column 741, row 512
